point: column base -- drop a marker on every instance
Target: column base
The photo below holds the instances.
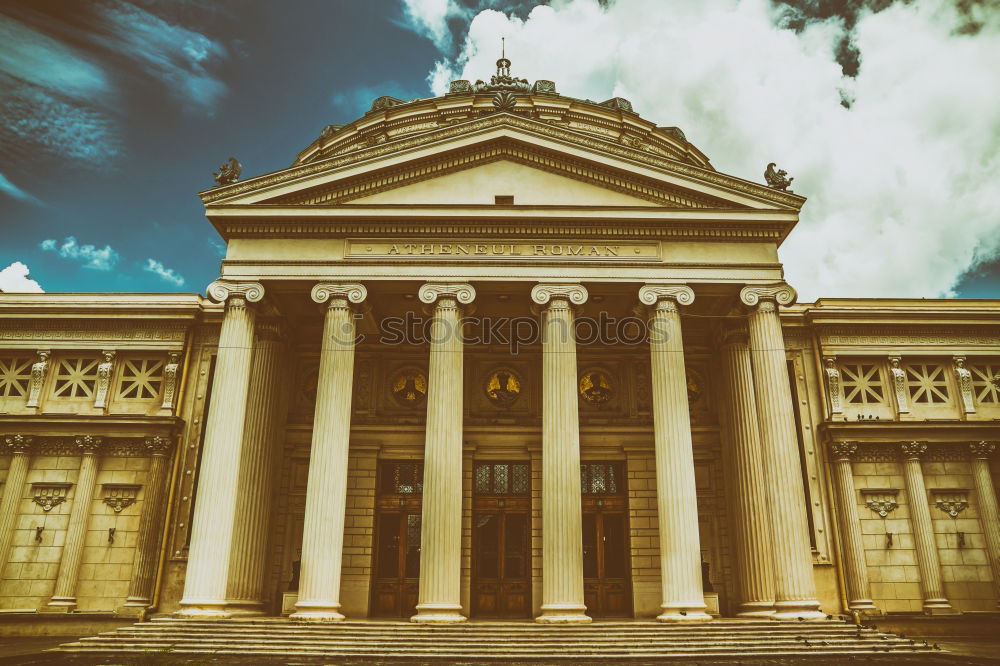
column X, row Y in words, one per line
column 691, row 613
column 202, row 610
column 59, row 605
column 939, row 607
column 438, row 614
column 863, row 606
column 563, row 614
column 317, row 611
column 245, row 608
column 756, row 609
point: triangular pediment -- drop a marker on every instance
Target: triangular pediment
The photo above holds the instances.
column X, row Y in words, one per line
column 538, row 164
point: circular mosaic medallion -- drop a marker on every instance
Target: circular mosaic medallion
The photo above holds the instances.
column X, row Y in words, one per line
column 409, row 387
column 695, row 386
column 596, row 387
column 503, row 387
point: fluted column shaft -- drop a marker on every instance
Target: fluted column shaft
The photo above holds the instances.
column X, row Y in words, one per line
column 326, row 489
column 214, row 519
column 250, row 534
column 748, row 492
column 855, row 566
column 441, row 523
column 64, row 595
column 140, row 588
column 562, row 517
column 676, row 493
column 935, row 602
column 795, row 588
column 989, row 514
column 19, row 448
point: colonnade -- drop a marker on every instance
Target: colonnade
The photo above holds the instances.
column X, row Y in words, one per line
column 781, row 581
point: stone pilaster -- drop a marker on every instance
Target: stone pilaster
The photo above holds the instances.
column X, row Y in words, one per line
column 676, row 493
column 140, row 588
column 989, row 514
column 250, row 533
column 935, row 602
column 215, row 508
column 18, row 447
column 855, row 568
column 795, row 588
column 750, row 520
column 326, row 490
column 562, row 517
column 64, row 596
column 441, row 522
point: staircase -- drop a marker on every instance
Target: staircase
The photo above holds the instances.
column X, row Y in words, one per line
column 365, row 641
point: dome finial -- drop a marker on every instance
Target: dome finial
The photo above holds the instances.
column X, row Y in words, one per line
column 503, row 65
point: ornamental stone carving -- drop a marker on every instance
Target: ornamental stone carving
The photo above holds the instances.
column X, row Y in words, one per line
column 982, row 449
column 899, row 384
column 844, row 450
column 221, row 290
column 88, row 444
column 882, row 501
column 835, row 389
column 913, row 449
column 544, row 87
column 780, row 293
column 430, row 292
column 17, row 444
column 38, row 371
column 351, row 292
column 504, row 101
column 170, row 380
column 460, row 87
column 158, row 446
column 951, row 501
column 652, row 294
column 49, row 495
column 120, row 496
column 576, row 294
column 104, row 371
column 964, row 376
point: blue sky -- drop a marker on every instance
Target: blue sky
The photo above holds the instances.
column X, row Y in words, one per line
column 114, row 114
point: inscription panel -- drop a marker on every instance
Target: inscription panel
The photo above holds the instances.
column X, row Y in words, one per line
column 492, row 249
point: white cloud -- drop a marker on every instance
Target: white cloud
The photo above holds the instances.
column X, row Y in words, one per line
column 902, row 186
column 101, row 259
column 430, row 19
column 13, row 190
column 167, row 274
column 14, row 280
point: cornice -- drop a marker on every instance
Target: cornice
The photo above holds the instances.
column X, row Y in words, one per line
column 587, row 141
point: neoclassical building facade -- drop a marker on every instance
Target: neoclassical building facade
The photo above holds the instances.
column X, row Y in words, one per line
column 498, row 354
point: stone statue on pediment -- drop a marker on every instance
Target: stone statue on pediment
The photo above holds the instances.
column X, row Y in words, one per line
column 778, row 179
column 228, row 173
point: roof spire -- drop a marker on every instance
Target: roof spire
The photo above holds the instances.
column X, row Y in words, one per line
column 503, row 65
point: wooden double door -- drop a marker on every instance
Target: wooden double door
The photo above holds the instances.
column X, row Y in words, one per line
column 501, row 535
column 607, row 579
column 396, row 571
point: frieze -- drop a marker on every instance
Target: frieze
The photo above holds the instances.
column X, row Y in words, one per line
column 966, row 335
column 118, row 447
column 536, row 127
column 871, row 452
column 40, row 331
column 434, row 249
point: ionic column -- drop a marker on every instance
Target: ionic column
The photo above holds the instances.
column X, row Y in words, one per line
column 989, row 515
column 140, row 587
column 855, row 568
column 676, row 492
column 215, row 508
column 326, row 489
column 18, row 447
column 562, row 513
column 794, row 587
column 935, row 602
column 64, row 596
column 250, row 534
column 441, row 523
column 748, row 490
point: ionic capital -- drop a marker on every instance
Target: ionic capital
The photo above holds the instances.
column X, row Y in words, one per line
column 575, row 294
column 88, row 444
column 655, row 294
column 350, row 291
column 780, row 293
column 221, row 290
column 462, row 292
column 159, row 446
column 843, row 450
column 913, row 449
column 982, row 449
column 15, row 444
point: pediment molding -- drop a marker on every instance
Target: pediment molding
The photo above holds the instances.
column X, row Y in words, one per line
column 530, row 128
column 408, row 173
